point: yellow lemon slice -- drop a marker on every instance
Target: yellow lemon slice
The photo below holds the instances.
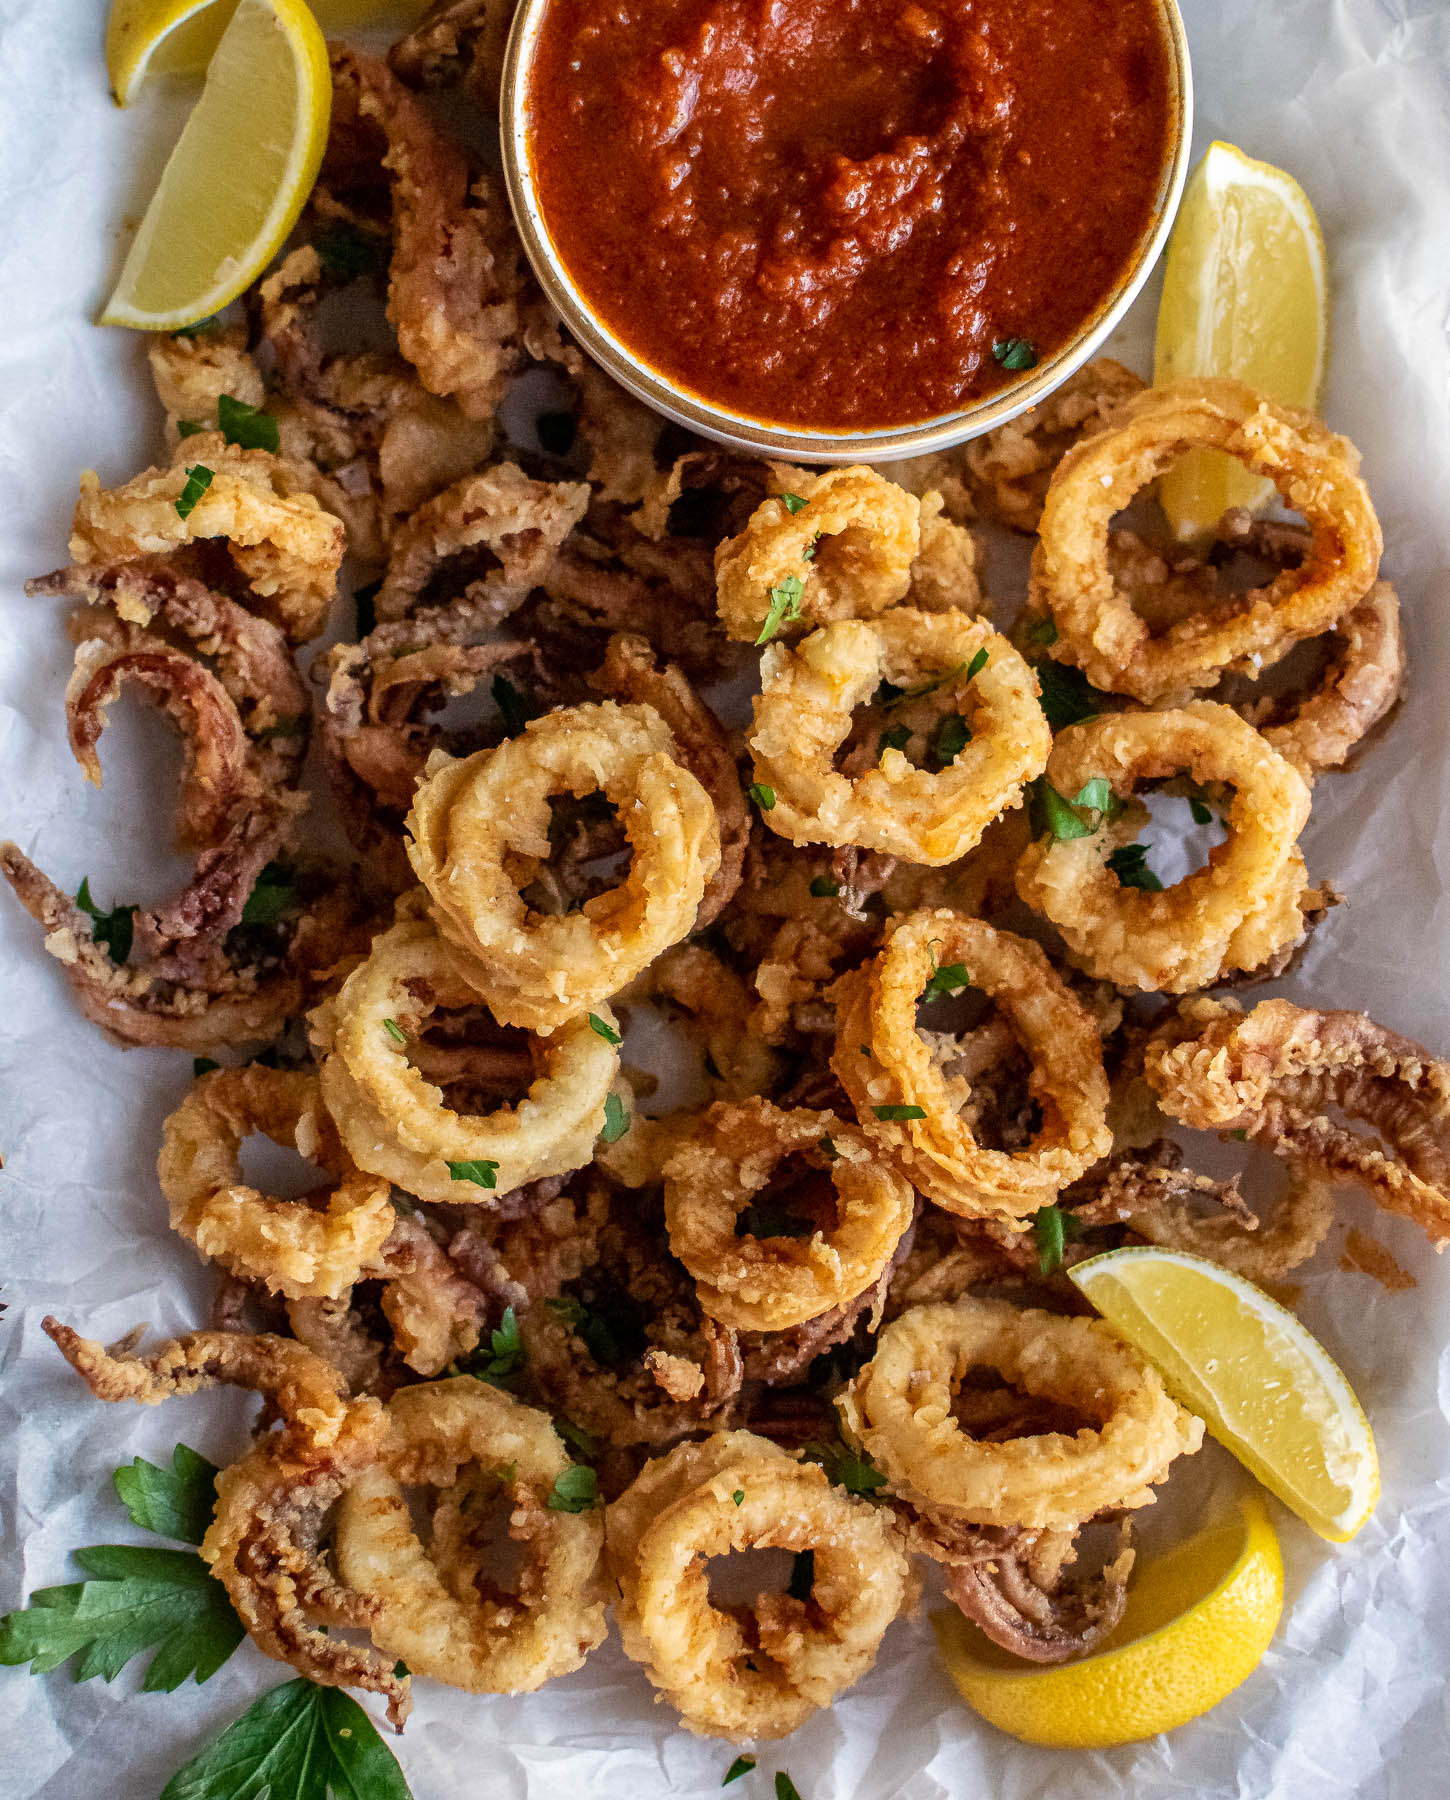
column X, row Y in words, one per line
column 178, row 37
column 1244, row 294
column 1197, row 1623
column 239, row 175
column 1265, row 1388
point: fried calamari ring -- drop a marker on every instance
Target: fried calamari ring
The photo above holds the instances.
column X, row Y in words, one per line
column 396, row 1123
column 889, row 1069
column 846, row 554
column 763, row 1279
column 1315, row 473
column 296, row 1248
column 899, row 1410
column 755, row 1670
column 1281, row 1073
column 472, row 1634
column 287, row 550
column 1244, row 907
column 474, row 822
column 803, row 717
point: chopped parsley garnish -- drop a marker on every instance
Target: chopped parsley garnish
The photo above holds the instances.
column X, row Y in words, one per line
column 557, row 431
column 950, row 978
column 203, row 1065
column 785, row 605
column 347, row 253
column 506, row 1351
column 577, row 1438
column 248, row 427
column 792, row 503
column 847, row 1468
column 823, row 888
column 809, row 553
column 602, row 1028
column 395, row 1031
column 1014, row 353
column 1041, row 632
column 609, row 1330
column 186, row 428
column 575, row 1490
column 270, row 898
column 739, row 1496
column 364, row 607
column 977, row 664
column 174, row 1503
column 616, row 1119
column 771, row 1222
column 953, row 735
column 1067, row 696
column 1241, row 1137
column 762, row 795
column 514, row 705
column 114, row 929
column 785, row 1788
column 298, row 1742
column 865, row 1050
column 827, row 1148
column 198, row 480
column 1130, row 865
column 899, row 1114
column 1051, row 813
column 481, row 1174
column 1097, row 795
column 1200, row 813
column 741, row 1766
column 1053, row 1228
column 896, row 738
column 802, row 1575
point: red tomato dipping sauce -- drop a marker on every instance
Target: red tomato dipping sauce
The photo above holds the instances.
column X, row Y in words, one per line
column 826, row 213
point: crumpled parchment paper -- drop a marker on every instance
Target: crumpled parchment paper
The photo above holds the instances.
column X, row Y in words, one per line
column 1353, row 96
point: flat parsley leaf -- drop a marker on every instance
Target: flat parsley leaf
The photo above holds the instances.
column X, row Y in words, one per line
column 785, row 605
column 792, row 503
column 1097, row 795
column 1053, row 1228
column 785, row 1788
column 1051, row 814
column 186, row 428
column 505, row 1356
column 198, row 480
column 741, row 1766
column 395, row 1031
column 616, row 1119
column 248, row 427
column 899, row 1114
column 1014, row 353
column 763, row 796
column 1068, row 698
column 953, row 735
column 950, row 978
column 270, row 898
column 113, row 929
column 140, row 1597
column 298, row 1742
column 1041, row 632
column 847, row 1468
column 896, row 738
column 602, row 1028
column 347, row 252
column 1130, row 865
column 481, row 1174
column 174, row 1503
column 823, row 888
column 575, row 1490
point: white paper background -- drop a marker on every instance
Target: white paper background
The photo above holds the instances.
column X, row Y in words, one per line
column 1353, row 96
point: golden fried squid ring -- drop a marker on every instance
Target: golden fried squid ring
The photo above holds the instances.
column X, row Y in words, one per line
column 476, row 821
column 764, row 1280
column 265, row 1542
column 803, row 717
column 468, row 1632
column 1278, row 1073
column 396, row 1123
column 753, row 1670
column 899, row 1410
column 1314, row 471
column 846, row 554
column 286, row 548
column 890, row 1070
column 1245, row 906
column 295, row 1248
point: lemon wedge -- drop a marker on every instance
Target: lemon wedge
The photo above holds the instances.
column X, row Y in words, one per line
column 1265, row 1388
column 178, row 37
column 1244, row 294
column 1197, row 1623
column 239, row 175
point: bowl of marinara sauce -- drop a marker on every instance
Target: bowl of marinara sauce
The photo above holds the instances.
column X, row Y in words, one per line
column 843, row 230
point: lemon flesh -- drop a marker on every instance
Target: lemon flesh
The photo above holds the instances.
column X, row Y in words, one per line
column 239, row 175
column 1196, row 1625
column 1265, row 1388
column 1244, row 294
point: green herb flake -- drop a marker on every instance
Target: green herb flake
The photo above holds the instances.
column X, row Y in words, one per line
column 174, row 1503
column 1241, row 1137
column 1014, row 353
column 763, row 796
column 481, row 1174
column 298, row 1742
column 609, row 1330
column 809, row 553
column 823, row 888
column 395, row 1031
column 785, row 1788
column 741, row 1766
column 515, row 707
column 792, row 503
column 203, row 1065
column 270, row 898
column 761, row 1221
column 739, row 1496
column 896, row 738
column 977, row 664
column 602, row 1028
column 506, row 1351
column 186, row 428
column 139, row 1598
column 1097, row 795
column 575, row 1490
column 347, row 253
column 785, row 606
column 1067, row 697
column 847, row 1468
column 114, row 930
column 802, row 1575
column 1052, row 815
column 616, row 1119
column 1042, row 633
column 953, row 734
column 198, row 480
column 248, row 427
column 899, row 1114
column 950, row 978
column 1130, row 865
column 865, row 1050
column 1053, row 1228
column 577, row 1438
column 1200, row 813
column 199, row 329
